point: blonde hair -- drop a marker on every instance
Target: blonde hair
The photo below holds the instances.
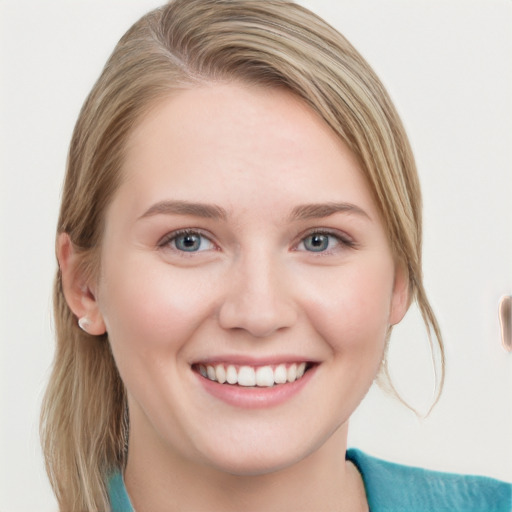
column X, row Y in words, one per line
column 273, row 43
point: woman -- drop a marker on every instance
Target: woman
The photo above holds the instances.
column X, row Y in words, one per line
column 240, row 229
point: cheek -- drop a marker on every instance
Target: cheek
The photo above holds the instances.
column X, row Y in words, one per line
column 154, row 310
column 352, row 309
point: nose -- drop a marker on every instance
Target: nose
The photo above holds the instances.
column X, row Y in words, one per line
column 258, row 298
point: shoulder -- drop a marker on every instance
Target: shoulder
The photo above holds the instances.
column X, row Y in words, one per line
column 393, row 487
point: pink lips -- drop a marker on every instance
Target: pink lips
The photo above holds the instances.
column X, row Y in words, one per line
column 255, row 397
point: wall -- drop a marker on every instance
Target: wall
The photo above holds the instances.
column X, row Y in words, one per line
column 447, row 66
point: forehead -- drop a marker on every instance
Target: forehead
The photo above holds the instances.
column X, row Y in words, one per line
column 233, row 140
column 218, row 114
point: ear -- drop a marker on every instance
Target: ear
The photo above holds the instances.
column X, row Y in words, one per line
column 79, row 292
column 400, row 300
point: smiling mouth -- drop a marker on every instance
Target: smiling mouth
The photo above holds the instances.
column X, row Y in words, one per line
column 253, row 376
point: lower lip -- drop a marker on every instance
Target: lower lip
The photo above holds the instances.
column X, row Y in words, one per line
column 256, row 397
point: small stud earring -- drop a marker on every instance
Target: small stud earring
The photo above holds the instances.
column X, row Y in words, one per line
column 84, row 323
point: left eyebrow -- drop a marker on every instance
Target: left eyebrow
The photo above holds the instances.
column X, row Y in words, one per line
column 321, row 210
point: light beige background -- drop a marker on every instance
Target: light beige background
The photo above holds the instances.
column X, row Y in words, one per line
column 448, row 66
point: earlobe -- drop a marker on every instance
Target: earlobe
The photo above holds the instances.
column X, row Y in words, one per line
column 401, row 299
column 77, row 288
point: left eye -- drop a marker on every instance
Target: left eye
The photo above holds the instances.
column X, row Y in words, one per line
column 189, row 242
column 319, row 242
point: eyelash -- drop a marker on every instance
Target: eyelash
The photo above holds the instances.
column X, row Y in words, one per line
column 343, row 240
column 166, row 241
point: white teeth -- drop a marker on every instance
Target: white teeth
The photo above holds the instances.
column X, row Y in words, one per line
column 292, row 373
column 231, row 375
column 248, row 376
column 280, row 374
column 264, row 376
column 210, row 371
column 220, row 373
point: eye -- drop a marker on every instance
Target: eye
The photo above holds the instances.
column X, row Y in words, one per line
column 187, row 241
column 319, row 241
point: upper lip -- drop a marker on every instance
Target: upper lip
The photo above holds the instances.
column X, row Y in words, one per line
column 241, row 360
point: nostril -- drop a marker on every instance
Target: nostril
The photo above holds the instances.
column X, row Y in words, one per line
column 258, row 323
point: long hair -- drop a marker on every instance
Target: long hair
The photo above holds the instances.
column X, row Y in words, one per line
column 274, row 43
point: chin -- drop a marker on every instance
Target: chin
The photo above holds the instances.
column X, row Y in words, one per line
column 276, row 451
column 259, row 464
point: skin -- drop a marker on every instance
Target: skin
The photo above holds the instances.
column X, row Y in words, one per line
column 254, row 289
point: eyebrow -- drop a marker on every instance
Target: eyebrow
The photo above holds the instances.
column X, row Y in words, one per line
column 186, row 208
column 321, row 210
column 212, row 211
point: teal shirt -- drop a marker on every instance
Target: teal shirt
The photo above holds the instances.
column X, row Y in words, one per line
column 395, row 488
column 119, row 500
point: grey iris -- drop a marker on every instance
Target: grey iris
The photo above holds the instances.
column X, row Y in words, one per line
column 188, row 242
column 316, row 242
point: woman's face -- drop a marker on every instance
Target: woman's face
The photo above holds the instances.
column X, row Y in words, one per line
column 244, row 244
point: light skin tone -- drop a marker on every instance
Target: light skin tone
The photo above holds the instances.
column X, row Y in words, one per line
column 284, row 259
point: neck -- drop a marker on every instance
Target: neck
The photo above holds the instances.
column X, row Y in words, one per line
column 157, row 480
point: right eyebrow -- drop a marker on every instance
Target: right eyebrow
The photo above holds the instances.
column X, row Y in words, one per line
column 209, row 211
